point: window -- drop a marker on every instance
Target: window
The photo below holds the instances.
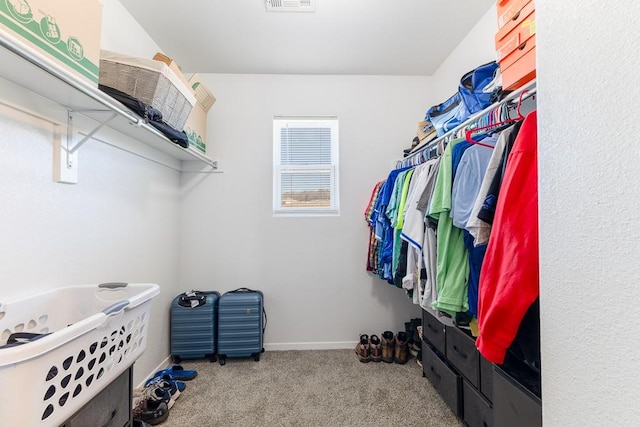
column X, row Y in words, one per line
column 305, row 166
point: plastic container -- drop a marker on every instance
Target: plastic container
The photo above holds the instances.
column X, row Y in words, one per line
column 95, row 332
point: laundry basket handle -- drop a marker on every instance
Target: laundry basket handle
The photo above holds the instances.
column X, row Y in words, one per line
column 115, row 308
column 113, row 285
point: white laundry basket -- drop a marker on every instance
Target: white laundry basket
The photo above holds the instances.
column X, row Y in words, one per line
column 94, row 332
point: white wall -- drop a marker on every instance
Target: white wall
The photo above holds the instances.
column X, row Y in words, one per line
column 311, row 270
column 119, row 223
column 589, row 163
column 475, row 49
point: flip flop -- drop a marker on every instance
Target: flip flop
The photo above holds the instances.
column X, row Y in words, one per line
column 177, row 372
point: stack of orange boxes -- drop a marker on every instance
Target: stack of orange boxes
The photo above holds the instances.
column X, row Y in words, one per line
column 516, row 42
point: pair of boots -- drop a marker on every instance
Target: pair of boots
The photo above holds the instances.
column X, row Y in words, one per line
column 368, row 348
column 395, row 348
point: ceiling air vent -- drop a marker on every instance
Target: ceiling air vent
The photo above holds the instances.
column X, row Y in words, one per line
column 291, row 5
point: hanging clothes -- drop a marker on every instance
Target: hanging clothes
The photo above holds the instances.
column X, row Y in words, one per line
column 428, row 272
column 509, row 280
column 478, row 228
column 414, row 229
column 466, row 186
column 397, row 221
column 383, row 229
column 452, row 264
column 369, row 217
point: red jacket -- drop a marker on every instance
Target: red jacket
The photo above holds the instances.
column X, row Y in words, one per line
column 509, row 279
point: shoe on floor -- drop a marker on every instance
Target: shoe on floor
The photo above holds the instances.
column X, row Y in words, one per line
column 151, row 412
column 178, row 373
column 375, row 348
column 180, row 384
column 387, row 344
column 154, row 391
column 363, row 349
column 167, row 384
column 401, row 354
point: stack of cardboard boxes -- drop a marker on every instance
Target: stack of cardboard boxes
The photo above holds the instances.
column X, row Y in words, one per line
column 516, row 42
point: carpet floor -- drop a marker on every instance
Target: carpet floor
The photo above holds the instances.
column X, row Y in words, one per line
column 308, row 388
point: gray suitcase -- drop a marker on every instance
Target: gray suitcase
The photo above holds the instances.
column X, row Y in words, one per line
column 194, row 328
column 241, row 324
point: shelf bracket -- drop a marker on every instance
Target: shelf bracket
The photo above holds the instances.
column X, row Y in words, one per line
column 87, row 136
column 65, row 158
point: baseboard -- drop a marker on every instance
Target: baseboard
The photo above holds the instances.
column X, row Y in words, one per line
column 330, row 345
column 163, row 365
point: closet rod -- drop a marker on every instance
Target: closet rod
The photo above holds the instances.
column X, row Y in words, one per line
column 530, row 87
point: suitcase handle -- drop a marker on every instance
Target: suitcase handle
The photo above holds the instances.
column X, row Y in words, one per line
column 242, row 290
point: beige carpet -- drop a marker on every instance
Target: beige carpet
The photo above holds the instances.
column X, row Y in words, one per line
column 308, row 388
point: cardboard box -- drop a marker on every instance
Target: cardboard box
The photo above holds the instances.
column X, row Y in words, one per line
column 196, row 126
column 67, row 31
column 516, row 49
column 173, row 65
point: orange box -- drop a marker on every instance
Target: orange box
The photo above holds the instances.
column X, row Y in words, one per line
column 509, row 10
column 515, row 49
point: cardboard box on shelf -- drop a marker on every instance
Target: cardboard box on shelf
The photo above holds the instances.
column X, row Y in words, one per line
column 67, row 31
column 173, row 65
column 196, row 126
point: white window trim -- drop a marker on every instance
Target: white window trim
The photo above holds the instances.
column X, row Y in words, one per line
column 334, row 210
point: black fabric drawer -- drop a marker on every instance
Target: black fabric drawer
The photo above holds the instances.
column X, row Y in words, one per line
column 443, row 378
column 514, row 405
column 462, row 353
column 433, row 331
column 477, row 412
column 486, row 378
column 111, row 407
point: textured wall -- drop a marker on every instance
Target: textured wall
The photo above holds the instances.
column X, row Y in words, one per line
column 589, row 161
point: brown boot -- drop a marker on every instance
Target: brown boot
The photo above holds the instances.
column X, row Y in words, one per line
column 387, row 344
column 363, row 349
column 402, row 348
column 376, row 348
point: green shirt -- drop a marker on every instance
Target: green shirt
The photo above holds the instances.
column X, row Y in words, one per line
column 452, row 262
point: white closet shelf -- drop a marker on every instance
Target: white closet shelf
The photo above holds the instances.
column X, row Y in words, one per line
column 41, row 86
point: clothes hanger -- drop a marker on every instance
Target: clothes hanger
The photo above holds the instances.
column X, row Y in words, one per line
column 498, row 124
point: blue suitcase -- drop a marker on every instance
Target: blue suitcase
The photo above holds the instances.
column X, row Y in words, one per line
column 241, row 324
column 194, row 326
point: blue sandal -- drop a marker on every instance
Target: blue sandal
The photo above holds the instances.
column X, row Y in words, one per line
column 177, row 372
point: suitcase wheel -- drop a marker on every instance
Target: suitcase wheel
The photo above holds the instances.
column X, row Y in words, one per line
column 213, row 358
column 176, row 359
column 256, row 357
column 222, row 361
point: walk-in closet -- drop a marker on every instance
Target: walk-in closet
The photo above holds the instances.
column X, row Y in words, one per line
column 169, row 164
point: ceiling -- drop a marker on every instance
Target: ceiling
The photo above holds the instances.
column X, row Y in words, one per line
column 358, row 37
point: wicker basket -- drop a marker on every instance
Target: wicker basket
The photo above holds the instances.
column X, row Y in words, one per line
column 94, row 334
column 150, row 81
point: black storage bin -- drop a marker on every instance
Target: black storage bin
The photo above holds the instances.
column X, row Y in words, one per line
column 433, row 331
column 462, row 353
column 513, row 404
column 444, row 379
